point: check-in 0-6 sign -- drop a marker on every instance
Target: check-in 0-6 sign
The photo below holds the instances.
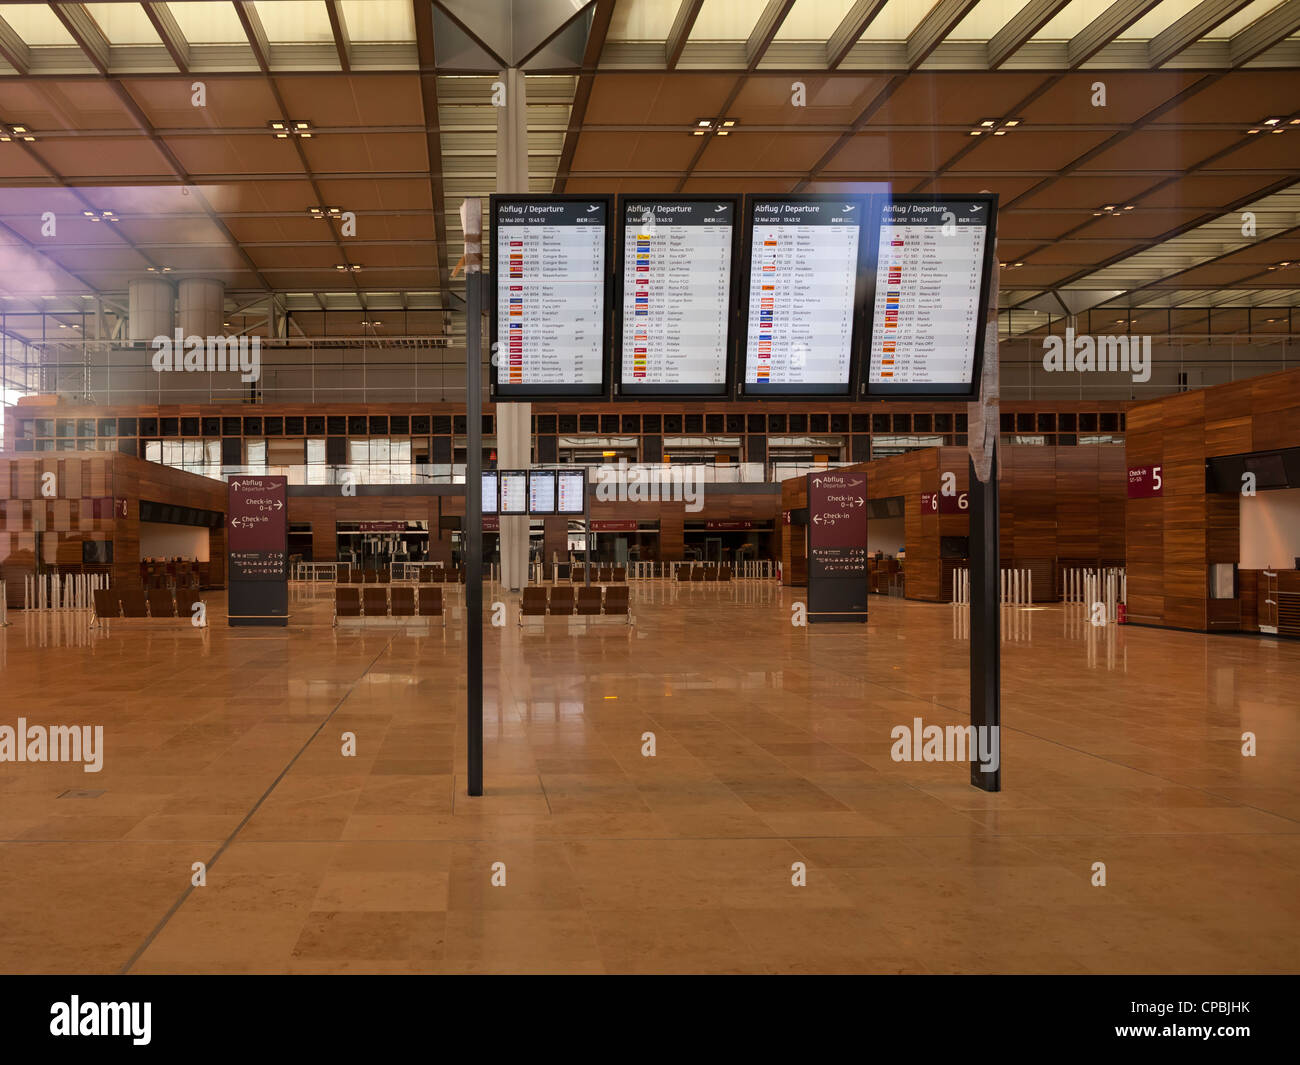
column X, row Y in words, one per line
column 1145, row 482
column 938, row 503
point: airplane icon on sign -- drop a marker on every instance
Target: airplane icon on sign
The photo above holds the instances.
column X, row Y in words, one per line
column 594, row 207
column 721, row 207
column 977, row 207
column 850, row 206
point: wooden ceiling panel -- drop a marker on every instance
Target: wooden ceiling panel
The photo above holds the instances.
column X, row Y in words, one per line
column 231, row 102
column 760, row 152
column 954, row 99
column 656, row 99
column 92, row 159
column 1154, row 149
column 1128, row 95
column 342, row 100
column 768, row 101
column 875, row 152
column 1026, row 150
column 210, row 154
column 49, row 105
column 635, row 151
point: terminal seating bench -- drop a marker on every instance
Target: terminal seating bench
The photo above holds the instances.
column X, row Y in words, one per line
column 559, row 601
column 382, row 601
column 156, row 603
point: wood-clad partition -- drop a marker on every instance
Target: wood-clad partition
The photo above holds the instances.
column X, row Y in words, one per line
column 1060, row 506
column 92, row 495
column 1174, row 538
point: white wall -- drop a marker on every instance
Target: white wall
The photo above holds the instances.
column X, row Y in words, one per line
column 886, row 534
column 159, row 540
column 1270, row 529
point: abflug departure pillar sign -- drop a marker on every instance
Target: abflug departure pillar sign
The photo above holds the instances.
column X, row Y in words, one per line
column 550, row 266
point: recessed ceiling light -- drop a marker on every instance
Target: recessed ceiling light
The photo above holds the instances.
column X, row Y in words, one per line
column 287, row 127
column 15, row 132
column 1271, row 122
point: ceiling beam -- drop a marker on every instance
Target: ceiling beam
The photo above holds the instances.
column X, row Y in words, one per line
column 582, row 92
column 165, row 25
column 765, row 31
column 252, row 23
column 687, row 13
column 1266, row 31
column 14, row 49
column 1023, row 25
column 936, row 25
column 339, row 27
column 1189, row 29
column 1090, row 40
column 852, row 26
column 85, row 31
column 433, row 146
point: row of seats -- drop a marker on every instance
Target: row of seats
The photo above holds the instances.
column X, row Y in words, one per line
column 134, row 603
column 600, row 574
column 560, row 601
column 428, row 575
column 372, row 601
column 703, row 573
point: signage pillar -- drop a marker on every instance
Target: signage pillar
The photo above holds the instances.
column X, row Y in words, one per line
column 257, row 551
column 984, row 424
column 471, row 219
column 837, row 546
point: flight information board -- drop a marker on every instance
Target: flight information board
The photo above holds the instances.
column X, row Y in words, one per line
column 803, row 294
column 569, row 494
column 675, row 292
column 929, row 295
column 541, row 491
column 514, row 491
column 489, row 498
column 550, row 257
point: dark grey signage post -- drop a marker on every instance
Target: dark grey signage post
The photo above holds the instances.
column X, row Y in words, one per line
column 257, row 551
column 837, row 546
column 985, row 603
column 472, row 531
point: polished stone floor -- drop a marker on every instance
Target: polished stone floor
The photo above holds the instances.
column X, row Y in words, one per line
column 773, row 747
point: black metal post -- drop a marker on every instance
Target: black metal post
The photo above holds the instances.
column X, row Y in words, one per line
column 586, row 533
column 985, row 627
column 473, row 529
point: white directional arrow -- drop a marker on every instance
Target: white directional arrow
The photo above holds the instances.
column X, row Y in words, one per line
column 861, row 502
column 279, row 505
column 817, row 519
column 817, row 482
column 234, row 485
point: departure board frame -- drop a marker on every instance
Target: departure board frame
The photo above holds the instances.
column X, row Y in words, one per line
column 569, row 390
column 959, row 391
column 560, row 474
column 540, row 473
column 502, row 477
column 496, row 491
column 744, row 389
column 684, row 392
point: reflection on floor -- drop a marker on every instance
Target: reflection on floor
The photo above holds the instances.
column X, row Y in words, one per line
column 224, row 746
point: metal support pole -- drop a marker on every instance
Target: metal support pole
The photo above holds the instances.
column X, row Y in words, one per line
column 472, row 225
column 587, row 537
column 985, row 627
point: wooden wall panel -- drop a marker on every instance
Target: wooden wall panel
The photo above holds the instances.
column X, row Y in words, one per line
column 1173, row 539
